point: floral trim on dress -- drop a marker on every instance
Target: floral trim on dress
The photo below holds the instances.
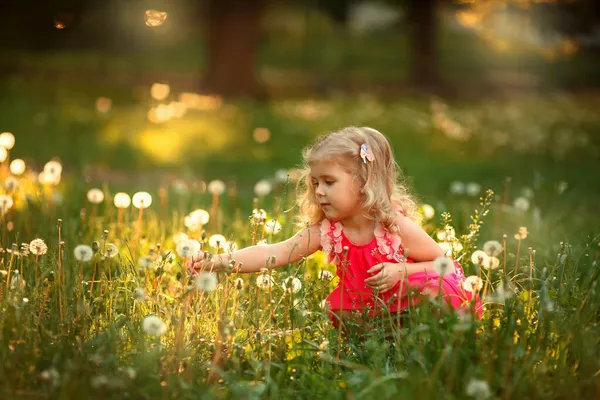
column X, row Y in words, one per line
column 331, row 240
column 388, row 244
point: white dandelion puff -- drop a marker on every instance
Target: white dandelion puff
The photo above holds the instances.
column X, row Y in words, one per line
column 325, row 275
column 472, row 188
column 493, row 248
column 11, row 183
column 262, row 188
column 179, row 237
column 17, row 166
column 457, row 187
column 188, row 248
column 83, row 252
column 217, row 241
column 111, row 250
column 216, row 187
column 7, row 140
column 272, row 227
column 479, row 257
column 122, row 200
column 291, row 284
column 428, row 211
column 6, row 203
column 38, row 247
column 521, row 204
column 443, row 266
column 139, row 294
column 492, row 263
column 145, row 262
column 95, row 196
column 53, row 168
column 472, row 284
column 478, row 388
column 154, row 326
column 281, row 175
column 206, row 281
column 264, row 281
column 141, row 200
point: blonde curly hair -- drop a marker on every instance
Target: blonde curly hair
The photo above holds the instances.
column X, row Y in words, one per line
column 384, row 189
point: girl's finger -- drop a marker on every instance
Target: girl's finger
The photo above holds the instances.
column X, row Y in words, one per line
column 375, row 268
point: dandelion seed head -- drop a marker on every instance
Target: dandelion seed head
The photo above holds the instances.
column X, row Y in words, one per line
column 478, row 388
column 472, row 189
column 111, row 250
column 521, row 204
column 206, row 281
column 139, row 294
column 95, row 196
column 154, row 326
column 443, row 265
column 262, row 188
column 141, row 200
column 17, row 166
column 122, row 200
column 479, row 257
column 428, row 211
column 457, row 187
column 272, row 227
column 493, row 248
column 11, row 183
column 188, row 248
column 291, row 284
column 216, row 187
column 7, row 140
column 6, row 203
column 83, row 252
column 472, row 284
column 179, row 237
column 238, row 283
column 264, row 281
column 38, row 247
column 217, row 241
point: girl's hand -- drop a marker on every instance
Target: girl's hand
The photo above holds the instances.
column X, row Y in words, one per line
column 387, row 276
column 198, row 262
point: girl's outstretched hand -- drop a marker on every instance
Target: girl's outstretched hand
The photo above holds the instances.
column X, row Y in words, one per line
column 198, row 262
column 386, row 276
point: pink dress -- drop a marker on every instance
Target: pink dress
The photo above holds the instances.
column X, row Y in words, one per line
column 353, row 294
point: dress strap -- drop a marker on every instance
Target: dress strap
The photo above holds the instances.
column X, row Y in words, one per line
column 331, row 239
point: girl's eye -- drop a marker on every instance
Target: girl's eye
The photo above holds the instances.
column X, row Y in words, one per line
column 329, row 183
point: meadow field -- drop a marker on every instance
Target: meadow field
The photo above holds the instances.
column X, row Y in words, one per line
column 117, row 188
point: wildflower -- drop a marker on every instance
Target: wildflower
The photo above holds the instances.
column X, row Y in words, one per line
column 142, row 200
column 325, row 275
column 457, row 187
column 262, row 188
column 478, row 388
column 180, row 187
column 17, row 282
column 291, row 284
column 7, row 140
column 522, row 234
column 53, row 168
column 238, row 284
column 83, row 252
column 258, row 216
column 273, row 227
column 154, row 326
column 200, row 215
column 217, row 241
column 188, row 248
column 111, row 250
column 521, row 204
column 179, row 237
column 479, row 257
column 206, row 281
column 11, row 183
column 216, row 187
column 281, row 175
column 37, row 247
column 491, row 263
column 17, row 166
column 473, row 188
column 51, row 375
column 262, row 242
column 472, row 284
column 264, row 281
column 493, row 248
column 122, row 200
column 443, row 265
column 139, row 294
column 24, row 249
column 447, row 233
column 6, row 203
column 528, row 193
column 95, row 196
column 428, row 211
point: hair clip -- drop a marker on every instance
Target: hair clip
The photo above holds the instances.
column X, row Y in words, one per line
column 365, row 153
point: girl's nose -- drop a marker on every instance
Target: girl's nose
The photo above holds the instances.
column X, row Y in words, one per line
column 319, row 191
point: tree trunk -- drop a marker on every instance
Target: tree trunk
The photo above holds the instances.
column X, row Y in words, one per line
column 423, row 23
column 231, row 46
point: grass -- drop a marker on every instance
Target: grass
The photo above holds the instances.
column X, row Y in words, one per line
column 61, row 337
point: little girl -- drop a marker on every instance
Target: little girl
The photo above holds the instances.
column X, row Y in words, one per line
column 364, row 218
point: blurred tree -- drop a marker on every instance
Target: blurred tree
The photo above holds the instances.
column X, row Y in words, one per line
column 232, row 42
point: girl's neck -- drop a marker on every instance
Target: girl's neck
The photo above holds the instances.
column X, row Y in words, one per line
column 358, row 223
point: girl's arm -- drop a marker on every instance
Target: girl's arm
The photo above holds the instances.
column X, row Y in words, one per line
column 255, row 258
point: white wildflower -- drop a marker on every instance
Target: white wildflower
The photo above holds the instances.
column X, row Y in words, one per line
column 188, row 248
column 206, row 281
column 217, row 241
column 457, row 187
column 492, row 263
column 122, row 200
column 38, row 247
column 154, row 326
column 51, row 375
column 262, row 188
column 478, row 389
column 142, row 200
column 472, row 284
column 17, row 166
column 428, row 211
column 264, row 281
column 258, row 216
column 272, row 227
column 443, row 265
column 479, row 257
column 473, row 188
column 493, row 248
column 179, row 237
column 83, row 252
column 11, row 183
column 7, row 140
column 139, row 294
column 95, row 196
column 325, row 275
column 146, row 262
column 111, row 250
column 281, row 175
column 6, row 203
column 527, row 192
column 200, row 216
column 521, row 204
column 291, row 284
column 216, row 187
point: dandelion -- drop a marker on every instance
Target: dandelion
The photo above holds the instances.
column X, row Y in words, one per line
column 291, row 284
column 443, row 265
column 473, row 188
column 472, row 284
column 264, row 281
column 53, row 168
column 142, row 200
column 217, row 241
column 262, row 188
column 491, row 263
column 206, row 281
column 521, row 204
column 6, row 203
column 122, row 200
column 457, row 188
column 478, row 389
column 38, row 247
column 11, row 183
column 145, row 262
column 83, row 253
column 238, row 284
column 259, row 216
column 200, row 215
column 479, row 257
column 158, row 91
column 493, row 248
column 180, row 187
column 154, row 326
column 528, row 193
column 522, row 233
column 139, row 294
column 95, row 196
column 51, row 375
column 130, row 372
column 111, row 250
column 273, row 227
column 325, row 275
column 281, row 175
column 216, row 187
column 428, row 211
column 179, row 237
column 17, row 166
column 7, row 140
column 188, row 248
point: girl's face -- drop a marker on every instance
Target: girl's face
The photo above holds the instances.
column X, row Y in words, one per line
column 335, row 190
